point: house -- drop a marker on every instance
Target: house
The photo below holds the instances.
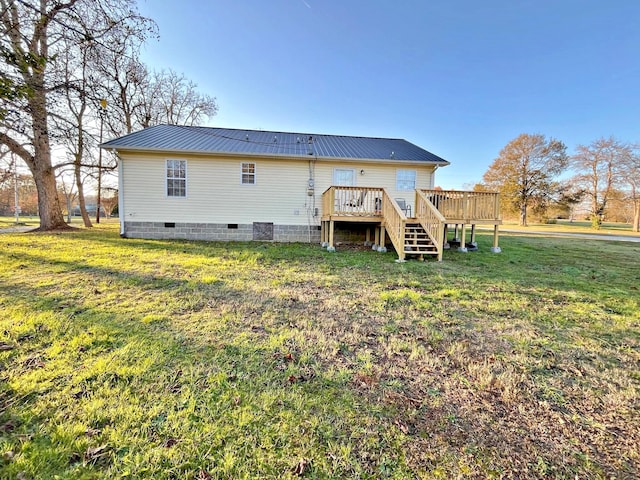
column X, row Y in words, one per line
column 206, row 183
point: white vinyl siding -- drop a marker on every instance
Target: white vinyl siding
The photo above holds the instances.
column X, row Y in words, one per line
column 248, row 175
column 215, row 194
column 176, row 178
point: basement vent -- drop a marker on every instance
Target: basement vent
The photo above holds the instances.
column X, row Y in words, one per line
column 232, row 226
column 262, row 231
column 169, row 225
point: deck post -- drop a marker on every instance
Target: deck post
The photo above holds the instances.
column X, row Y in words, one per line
column 456, row 238
column 473, row 235
column 495, row 248
column 381, row 246
column 376, row 241
column 323, row 234
column 367, row 238
column 445, row 239
column 331, row 247
column 463, row 246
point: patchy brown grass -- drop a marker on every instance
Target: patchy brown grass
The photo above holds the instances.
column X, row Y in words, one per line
column 198, row 360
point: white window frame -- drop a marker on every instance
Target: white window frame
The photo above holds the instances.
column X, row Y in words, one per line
column 253, row 175
column 174, row 178
column 335, row 177
column 404, row 182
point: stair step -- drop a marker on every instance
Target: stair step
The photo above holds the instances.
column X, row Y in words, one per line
column 417, row 240
column 426, row 252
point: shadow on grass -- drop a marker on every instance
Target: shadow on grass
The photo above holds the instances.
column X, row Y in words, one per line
column 96, row 389
column 393, row 369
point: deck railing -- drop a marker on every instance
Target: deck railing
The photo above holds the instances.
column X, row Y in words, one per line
column 465, row 207
column 433, row 209
column 352, row 201
column 431, row 220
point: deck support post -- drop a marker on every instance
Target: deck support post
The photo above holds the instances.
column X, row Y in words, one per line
column 376, row 241
column 381, row 246
column 495, row 248
column 473, row 236
column 367, row 239
column 463, row 246
column 323, row 234
column 456, row 238
column 331, row 247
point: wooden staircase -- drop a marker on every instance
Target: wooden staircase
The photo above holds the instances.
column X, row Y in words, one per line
column 417, row 241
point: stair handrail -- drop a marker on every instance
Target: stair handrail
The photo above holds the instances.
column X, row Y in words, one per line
column 431, row 220
column 394, row 221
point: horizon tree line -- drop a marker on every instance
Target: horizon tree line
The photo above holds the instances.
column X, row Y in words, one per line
column 534, row 173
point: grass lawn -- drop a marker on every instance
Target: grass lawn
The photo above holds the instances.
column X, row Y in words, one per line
column 8, row 222
column 192, row 360
column 565, row 226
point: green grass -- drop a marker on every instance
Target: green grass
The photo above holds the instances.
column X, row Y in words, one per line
column 170, row 359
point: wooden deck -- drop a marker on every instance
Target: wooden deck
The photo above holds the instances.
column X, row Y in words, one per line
column 425, row 233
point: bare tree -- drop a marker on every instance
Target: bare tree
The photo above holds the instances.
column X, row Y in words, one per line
column 121, row 77
column 171, row 98
column 598, row 167
column 631, row 176
column 72, row 115
column 139, row 98
column 524, row 172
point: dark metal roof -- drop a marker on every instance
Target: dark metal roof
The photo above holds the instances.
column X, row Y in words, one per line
column 175, row 138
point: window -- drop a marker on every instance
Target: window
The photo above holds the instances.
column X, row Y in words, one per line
column 248, row 173
column 176, row 178
column 343, row 177
column 405, row 180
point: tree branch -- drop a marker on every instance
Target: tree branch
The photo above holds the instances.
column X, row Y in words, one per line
column 17, row 148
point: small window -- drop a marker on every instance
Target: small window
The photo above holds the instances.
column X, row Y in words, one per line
column 248, row 173
column 405, row 180
column 176, row 178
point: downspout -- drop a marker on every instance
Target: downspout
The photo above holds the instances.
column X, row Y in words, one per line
column 120, row 192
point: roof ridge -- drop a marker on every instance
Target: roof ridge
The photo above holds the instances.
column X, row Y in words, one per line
column 203, row 127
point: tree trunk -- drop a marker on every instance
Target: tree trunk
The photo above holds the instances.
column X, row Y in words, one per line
column 49, row 208
column 83, row 208
column 523, row 214
column 636, row 216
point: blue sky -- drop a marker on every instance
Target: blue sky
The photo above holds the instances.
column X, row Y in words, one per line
column 459, row 78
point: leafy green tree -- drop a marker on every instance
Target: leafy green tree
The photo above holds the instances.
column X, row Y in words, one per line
column 525, row 170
